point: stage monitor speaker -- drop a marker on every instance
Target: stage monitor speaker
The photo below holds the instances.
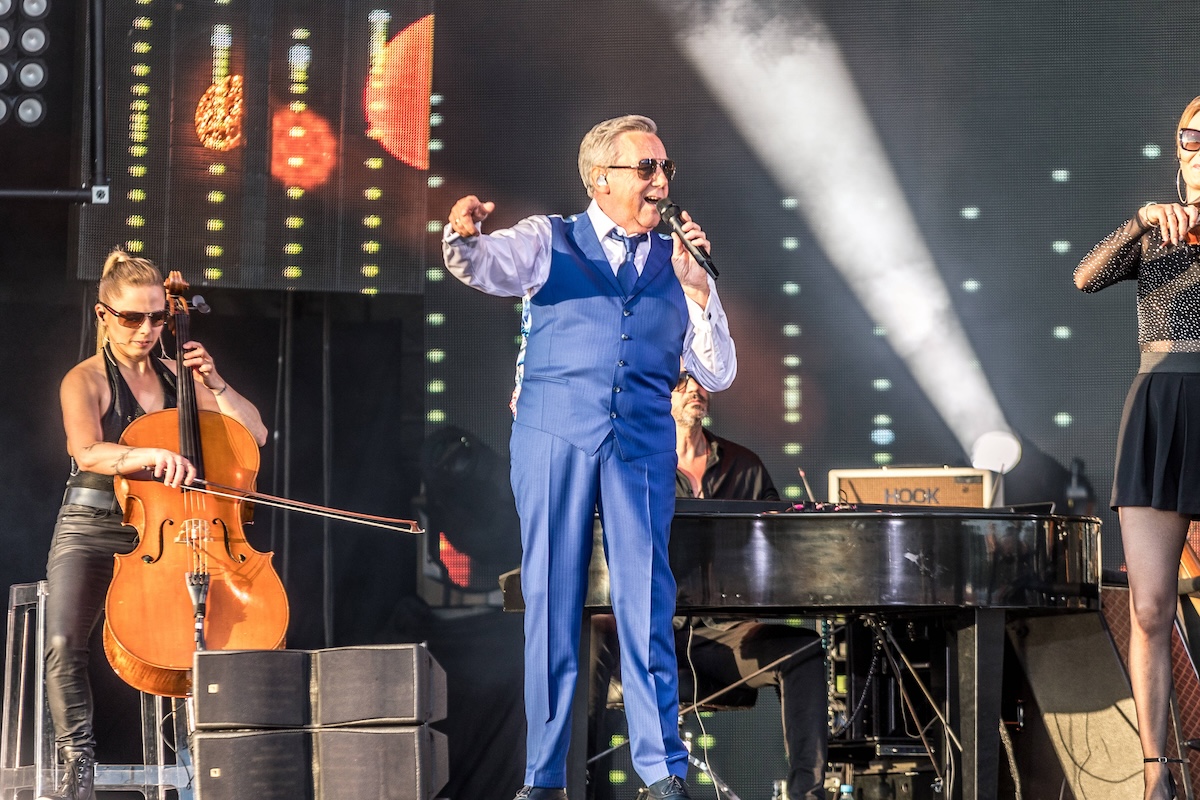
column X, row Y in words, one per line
column 251, row 689
column 399, row 684
column 377, row 685
column 264, row 765
column 390, row 763
column 1086, row 703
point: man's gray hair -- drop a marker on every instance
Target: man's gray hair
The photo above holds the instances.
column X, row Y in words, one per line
column 599, row 146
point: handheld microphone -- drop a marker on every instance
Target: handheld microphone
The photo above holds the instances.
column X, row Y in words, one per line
column 670, row 215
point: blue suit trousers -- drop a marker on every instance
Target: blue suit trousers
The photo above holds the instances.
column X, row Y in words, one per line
column 558, row 487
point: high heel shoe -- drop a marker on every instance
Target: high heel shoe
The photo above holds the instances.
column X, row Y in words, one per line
column 1172, row 793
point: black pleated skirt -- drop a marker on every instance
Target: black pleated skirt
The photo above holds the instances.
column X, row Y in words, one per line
column 1158, row 447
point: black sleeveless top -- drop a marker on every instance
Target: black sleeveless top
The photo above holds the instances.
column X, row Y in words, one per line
column 123, row 409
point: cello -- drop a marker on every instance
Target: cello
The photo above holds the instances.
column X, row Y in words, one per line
column 193, row 582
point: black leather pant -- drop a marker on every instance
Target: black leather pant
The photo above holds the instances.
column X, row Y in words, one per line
column 726, row 654
column 723, row 655
column 78, row 572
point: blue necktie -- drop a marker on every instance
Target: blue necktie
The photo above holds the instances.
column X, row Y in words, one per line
column 627, row 273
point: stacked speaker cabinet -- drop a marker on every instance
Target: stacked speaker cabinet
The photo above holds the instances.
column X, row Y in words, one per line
column 319, row 724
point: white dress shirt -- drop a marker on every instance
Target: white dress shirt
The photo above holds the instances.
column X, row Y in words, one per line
column 515, row 262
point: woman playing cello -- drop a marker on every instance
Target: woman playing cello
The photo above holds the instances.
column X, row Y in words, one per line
column 100, row 397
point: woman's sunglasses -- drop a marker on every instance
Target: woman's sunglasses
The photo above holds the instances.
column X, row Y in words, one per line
column 134, row 319
column 1189, row 139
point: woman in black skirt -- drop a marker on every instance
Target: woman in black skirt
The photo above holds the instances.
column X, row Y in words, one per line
column 1156, row 488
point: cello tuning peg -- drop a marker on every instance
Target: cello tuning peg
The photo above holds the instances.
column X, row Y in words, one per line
column 199, row 304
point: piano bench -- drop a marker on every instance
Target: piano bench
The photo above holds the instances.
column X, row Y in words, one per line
column 738, row 698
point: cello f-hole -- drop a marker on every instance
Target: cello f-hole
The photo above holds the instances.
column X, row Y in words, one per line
column 239, row 558
column 148, row 559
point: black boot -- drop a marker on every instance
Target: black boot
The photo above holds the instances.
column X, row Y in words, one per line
column 79, row 776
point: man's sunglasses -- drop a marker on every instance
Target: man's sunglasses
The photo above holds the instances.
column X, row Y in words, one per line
column 648, row 166
column 684, row 377
column 1189, row 139
column 134, row 319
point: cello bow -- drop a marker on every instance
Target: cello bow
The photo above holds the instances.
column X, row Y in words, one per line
column 287, row 504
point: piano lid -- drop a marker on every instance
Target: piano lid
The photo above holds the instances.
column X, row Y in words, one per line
column 886, row 557
column 763, row 561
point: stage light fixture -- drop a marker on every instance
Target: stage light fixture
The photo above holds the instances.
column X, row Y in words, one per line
column 24, row 39
column 33, row 9
column 3, row 109
column 31, row 110
column 31, row 75
column 33, row 40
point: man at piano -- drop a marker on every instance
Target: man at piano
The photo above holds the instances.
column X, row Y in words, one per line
column 723, row 651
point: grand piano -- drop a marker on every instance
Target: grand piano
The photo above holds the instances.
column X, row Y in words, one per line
column 972, row 568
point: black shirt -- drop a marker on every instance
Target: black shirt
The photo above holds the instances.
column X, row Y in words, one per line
column 732, row 472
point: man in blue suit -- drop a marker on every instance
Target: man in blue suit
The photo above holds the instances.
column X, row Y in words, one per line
column 609, row 308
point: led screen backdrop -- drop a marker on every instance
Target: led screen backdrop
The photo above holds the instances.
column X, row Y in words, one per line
column 268, row 145
column 828, row 148
column 896, row 193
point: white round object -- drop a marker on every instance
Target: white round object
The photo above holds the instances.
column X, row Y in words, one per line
column 33, row 40
column 998, row 451
column 34, row 8
column 32, row 75
column 31, row 110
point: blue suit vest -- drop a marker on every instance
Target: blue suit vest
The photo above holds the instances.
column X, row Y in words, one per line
column 596, row 361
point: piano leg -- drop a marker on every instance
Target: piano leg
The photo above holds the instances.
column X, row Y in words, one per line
column 978, row 659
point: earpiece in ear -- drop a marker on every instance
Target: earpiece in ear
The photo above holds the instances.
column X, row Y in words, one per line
column 602, row 181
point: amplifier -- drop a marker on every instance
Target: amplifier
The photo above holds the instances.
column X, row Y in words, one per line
column 961, row 487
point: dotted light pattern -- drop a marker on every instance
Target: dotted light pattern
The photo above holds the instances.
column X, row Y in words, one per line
column 378, row 20
column 226, row 224
column 138, row 132
column 435, row 322
column 792, row 382
column 219, row 132
column 299, row 59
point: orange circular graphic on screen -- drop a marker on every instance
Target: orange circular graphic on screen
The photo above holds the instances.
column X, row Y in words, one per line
column 396, row 96
column 219, row 114
column 303, row 148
